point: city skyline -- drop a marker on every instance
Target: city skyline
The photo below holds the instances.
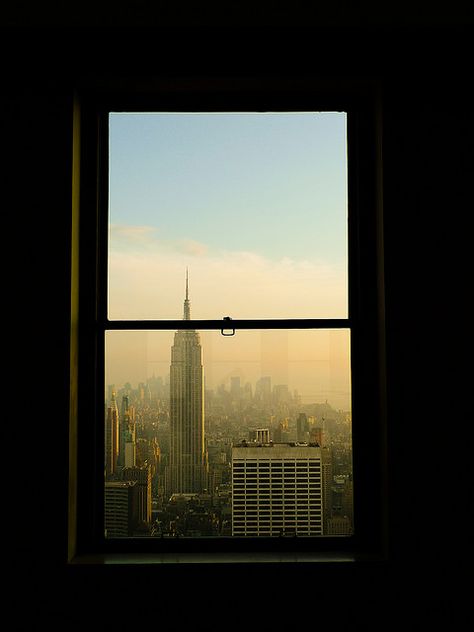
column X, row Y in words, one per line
column 320, row 396
column 316, row 363
column 257, row 461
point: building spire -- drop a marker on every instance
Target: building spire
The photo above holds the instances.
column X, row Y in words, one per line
column 187, row 307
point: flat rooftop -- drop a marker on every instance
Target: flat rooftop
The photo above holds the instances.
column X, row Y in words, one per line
column 293, row 450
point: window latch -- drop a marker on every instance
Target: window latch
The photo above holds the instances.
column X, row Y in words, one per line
column 224, row 329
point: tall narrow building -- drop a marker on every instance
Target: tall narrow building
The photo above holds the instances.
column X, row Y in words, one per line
column 127, row 439
column 187, row 471
column 111, row 437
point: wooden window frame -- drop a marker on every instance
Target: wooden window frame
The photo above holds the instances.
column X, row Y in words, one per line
column 93, row 102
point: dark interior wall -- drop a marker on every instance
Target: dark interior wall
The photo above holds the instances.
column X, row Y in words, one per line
column 424, row 76
column 282, row 13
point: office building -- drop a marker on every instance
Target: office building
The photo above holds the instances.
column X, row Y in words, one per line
column 302, row 427
column 127, row 441
column 142, row 476
column 120, row 508
column 277, row 489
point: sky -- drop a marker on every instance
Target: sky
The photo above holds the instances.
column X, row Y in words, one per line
column 253, row 204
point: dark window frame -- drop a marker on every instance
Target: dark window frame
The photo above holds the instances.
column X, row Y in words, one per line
column 365, row 319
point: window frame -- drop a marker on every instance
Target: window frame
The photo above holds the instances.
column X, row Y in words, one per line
column 93, row 102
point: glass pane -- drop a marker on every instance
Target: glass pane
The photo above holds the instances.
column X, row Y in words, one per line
column 254, row 205
column 212, row 435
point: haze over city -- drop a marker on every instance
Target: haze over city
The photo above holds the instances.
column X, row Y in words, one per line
column 255, row 205
column 316, row 363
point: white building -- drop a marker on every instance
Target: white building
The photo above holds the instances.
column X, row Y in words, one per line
column 277, row 489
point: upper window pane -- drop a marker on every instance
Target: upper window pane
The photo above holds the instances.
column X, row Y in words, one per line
column 254, row 205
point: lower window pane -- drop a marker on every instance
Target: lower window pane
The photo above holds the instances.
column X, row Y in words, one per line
column 195, row 423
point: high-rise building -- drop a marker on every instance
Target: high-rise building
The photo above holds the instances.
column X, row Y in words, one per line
column 302, row 427
column 316, row 435
column 188, row 463
column 235, row 388
column 277, row 489
column 263, row 390
column 111, row 436
column 142, row 476
column 327, row 470
column 120, row 508
column 127, row 439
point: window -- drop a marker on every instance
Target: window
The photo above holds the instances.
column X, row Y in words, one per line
column 249, row 315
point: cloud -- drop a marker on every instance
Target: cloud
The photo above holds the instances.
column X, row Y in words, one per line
column 192, row 247
column 127, row 238
column 122, row 235
column 148, row 282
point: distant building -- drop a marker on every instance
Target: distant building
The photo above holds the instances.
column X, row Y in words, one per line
column 339, row 525
column 127, row 440
column 263, row 390
column 302, row 427
column 282, row 433
column 316, row 435
column 235, row 388
column 347, row 500
column 277, row 489
column 281, row 394
column 111, row 437
column 121, row 516
column 260, row 435
column 142, row 476
column 326, row 465
column 188, row 462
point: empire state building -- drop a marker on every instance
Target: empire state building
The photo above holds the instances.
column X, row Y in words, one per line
column 187, row 447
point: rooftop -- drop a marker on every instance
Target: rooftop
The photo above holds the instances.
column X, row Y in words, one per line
column 292, row 444
column 292, row 450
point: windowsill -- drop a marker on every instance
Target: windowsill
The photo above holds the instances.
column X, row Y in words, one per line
column 217, row 558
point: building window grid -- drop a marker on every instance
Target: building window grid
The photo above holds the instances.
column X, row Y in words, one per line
column 292, row 508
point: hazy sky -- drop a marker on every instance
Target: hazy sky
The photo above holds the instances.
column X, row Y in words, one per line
column 255, row 205
column 315, row 362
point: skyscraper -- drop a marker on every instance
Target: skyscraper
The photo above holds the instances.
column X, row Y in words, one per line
column 302, row 427
column 188, row 463
column 111, row 437
column 142, row 476
column 120, row 508
column 127, row 439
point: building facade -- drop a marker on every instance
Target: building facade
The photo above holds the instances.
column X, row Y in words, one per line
column 127, row 441
column 120, row 508
column 277, row 490
column 142, row 476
